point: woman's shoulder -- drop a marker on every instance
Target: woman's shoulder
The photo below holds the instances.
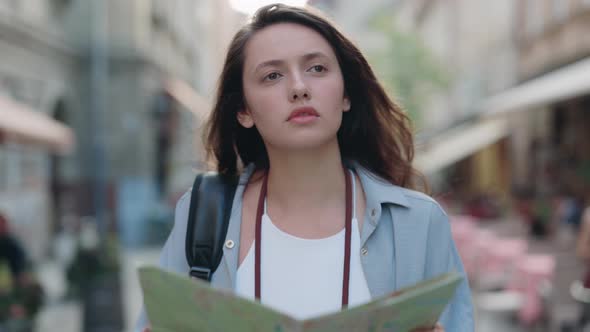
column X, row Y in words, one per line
column 182, row 207
column 425, row 207
column 417, row 197
column 384, row 191
column 426, row 214
column 184, row 200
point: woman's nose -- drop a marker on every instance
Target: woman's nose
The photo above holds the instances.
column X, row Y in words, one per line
column 299, row 91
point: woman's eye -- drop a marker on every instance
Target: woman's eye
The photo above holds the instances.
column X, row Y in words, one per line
column 272, row 76
column 317, row 68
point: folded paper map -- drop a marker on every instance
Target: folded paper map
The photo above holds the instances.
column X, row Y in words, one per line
column 177, row 303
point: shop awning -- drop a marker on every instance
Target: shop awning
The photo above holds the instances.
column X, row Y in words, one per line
column 459, row 143
column 188, row 97
column 20, row 123
column 568, row 82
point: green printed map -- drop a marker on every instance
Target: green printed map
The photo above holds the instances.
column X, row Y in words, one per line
column 177, row 303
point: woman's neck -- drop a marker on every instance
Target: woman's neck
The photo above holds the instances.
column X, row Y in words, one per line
column 305, row 180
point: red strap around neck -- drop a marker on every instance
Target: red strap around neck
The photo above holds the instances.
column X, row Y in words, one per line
column 347, row 239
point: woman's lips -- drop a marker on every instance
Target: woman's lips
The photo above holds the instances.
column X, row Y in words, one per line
column 303, row 115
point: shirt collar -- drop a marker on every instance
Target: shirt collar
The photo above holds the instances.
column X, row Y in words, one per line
column 379, row 191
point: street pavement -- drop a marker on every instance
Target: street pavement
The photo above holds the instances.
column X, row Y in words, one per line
column 57, row 315
column 132, row 298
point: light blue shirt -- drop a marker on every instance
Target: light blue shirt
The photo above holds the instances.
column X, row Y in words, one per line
column 406, row 235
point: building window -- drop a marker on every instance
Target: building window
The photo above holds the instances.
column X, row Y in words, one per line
column 32, row 162
column 560, row 10
column 12, row 161
column 59, row 6
column 534, row 18
column 9, row 6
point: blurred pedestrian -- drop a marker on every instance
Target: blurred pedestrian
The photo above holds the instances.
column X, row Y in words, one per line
column 11, row 251
column 299, row 106
column 583, row 242
column 581, row 290
column 22, row 296
column 567, row 218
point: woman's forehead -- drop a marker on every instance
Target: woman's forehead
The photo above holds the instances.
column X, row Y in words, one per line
column 284, row 41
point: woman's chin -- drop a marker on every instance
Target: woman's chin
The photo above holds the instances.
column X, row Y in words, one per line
column 310, row 144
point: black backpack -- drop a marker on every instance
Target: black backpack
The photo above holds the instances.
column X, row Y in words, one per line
column 208, row 218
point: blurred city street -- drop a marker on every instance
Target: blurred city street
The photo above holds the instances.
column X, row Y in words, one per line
column 60, row 315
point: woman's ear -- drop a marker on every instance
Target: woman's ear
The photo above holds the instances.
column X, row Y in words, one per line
column 245, row 119
column 346, row 104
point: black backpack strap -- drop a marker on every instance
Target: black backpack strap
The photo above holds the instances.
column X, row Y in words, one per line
column 208, row 218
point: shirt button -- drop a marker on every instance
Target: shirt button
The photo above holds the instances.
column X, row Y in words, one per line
column 373, row 213
column 364, row 251
column 229, row 244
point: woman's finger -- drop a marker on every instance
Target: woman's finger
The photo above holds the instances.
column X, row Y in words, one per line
column 436, row 328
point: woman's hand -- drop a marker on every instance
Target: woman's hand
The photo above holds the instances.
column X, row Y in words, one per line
column 436, row 328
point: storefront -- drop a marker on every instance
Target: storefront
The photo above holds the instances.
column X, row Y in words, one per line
column 28, row 139
column 550, row 119
column 468, row 165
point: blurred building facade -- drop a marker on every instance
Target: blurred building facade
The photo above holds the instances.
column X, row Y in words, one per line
column 37, row 75
column 128, row 78
column 514, row 118
column 549, row 108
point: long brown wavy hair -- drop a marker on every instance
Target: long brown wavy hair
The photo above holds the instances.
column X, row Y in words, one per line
column 376, row 133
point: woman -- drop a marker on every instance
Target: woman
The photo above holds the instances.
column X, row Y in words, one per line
column 299, row 105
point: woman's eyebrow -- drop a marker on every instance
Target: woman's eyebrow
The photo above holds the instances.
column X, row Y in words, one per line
column 268, row 63
column 305, row 58
column 314, row 55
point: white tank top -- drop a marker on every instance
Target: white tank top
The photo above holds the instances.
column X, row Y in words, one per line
column 303, row 277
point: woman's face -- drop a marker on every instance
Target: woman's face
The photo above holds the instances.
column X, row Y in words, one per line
column 293, row 88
